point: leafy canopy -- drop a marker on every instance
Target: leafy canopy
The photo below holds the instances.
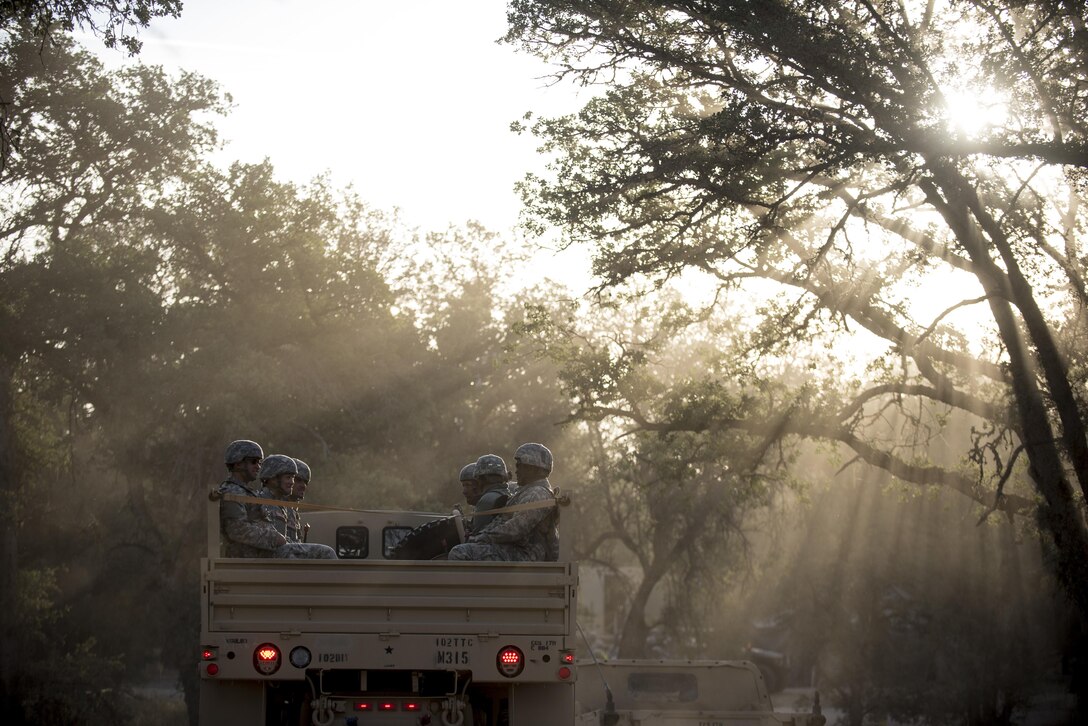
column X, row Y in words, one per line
column 814, row 160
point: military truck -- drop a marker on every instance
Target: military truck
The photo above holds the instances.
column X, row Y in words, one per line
column 369, row 640
column 679, row 693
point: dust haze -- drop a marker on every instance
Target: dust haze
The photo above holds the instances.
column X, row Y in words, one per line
column 822, row 407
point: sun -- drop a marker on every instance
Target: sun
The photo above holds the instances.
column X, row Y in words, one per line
column 972, row 112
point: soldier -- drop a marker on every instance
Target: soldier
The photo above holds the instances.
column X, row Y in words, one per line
column 302, row 481
column 470, row 488
column 525, row 536
column 244, row 530
column 298, row 493
column 278, row 477
column 278, row 474
column 491, row 484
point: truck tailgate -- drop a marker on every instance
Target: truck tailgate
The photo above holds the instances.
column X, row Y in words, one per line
column 372, row 596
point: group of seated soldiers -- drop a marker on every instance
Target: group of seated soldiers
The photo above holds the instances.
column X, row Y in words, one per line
column 267, row 528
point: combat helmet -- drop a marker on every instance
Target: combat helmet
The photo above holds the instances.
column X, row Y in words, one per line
column 536, row 455
column 277, row 464
column 468, row 472
column 491, row 464
column 242, row 449
column 303, row 470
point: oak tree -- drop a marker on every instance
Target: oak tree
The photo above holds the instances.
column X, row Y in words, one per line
column 815, row 148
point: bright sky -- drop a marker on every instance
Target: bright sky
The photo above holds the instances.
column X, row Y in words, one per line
column 410, row 102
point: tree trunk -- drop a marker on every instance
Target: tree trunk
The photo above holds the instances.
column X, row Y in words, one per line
column 9, row 708
column 635, row 631
column 1047, row 355
column 1059, row 513
column 9, row 556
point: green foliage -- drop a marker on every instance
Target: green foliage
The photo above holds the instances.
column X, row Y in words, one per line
column 807, row 160
column 109, row 18
column 897, row 280
column 61, row 681
column 155, row 307
column 670, row 498
column 897, row 611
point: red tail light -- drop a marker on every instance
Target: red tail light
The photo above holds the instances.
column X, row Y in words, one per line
column 510, row 661
column 266, row 659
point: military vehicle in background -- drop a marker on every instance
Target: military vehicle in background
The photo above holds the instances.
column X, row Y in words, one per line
column 679, row 693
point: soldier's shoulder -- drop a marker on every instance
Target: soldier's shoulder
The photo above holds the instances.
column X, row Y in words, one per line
column 233, row 487
column 533, row 492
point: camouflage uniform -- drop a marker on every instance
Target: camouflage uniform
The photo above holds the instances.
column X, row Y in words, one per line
column 285, row 521
column 284, row 518
column 294, row 525
column 304, row 551
column 519, row 537
column 246, row 530
column 298, row 493
column 261, row 530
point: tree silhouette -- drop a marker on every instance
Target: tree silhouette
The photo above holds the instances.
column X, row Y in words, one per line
column 812, row 145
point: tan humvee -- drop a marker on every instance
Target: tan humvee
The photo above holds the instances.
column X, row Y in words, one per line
column 678, row 693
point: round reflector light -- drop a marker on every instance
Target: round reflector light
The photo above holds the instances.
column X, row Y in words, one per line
column 213, row 669
column 300, row 656
column 510, row 661
column 266, row 659
column 564, row 673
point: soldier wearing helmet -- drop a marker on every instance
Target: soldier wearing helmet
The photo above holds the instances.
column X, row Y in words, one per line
column 491, row 484
column 244, row 529
column 470, row 488
column 302, row 481
column 295, row 527
column 247, row 528
column 279, row 474
column 243, row 459
column 523, row 536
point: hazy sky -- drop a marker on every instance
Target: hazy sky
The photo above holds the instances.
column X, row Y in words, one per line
column 410, row 102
